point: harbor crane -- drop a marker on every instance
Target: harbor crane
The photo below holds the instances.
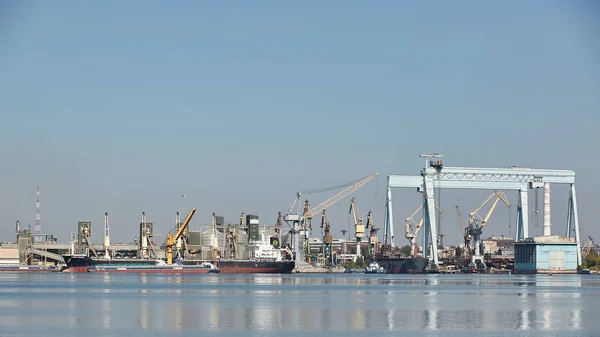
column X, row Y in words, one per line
column 171, row 240
column 301, row 224
column 476, row 224
column 327, row 239
column 411, row 229
column 466, row 236
column 87, row 232
column 372, row 234
column 359, row 228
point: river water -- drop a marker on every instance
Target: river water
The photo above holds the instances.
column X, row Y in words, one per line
column 96, row 304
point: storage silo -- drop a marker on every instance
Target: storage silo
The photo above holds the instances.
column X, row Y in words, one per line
column 207, row 239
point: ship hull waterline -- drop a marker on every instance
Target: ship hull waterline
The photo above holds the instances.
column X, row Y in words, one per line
column 256, row 267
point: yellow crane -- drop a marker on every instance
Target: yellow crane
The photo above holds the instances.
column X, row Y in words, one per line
column 171, row 240
column 372, row 234
column 411, row 228
column 359, row 228
column 476, row 222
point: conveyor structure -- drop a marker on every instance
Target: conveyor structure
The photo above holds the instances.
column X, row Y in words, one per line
column 435, row 175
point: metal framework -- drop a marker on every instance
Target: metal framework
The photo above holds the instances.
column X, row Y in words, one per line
column 435, row 175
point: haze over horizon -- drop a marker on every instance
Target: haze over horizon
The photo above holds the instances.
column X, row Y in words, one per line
column 123, row 107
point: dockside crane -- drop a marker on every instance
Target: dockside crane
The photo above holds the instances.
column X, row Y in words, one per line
column 231, row 243
column 171, row 240
column 463, row 232
column 412, row 228
column 359, row 228
column 301, row 224
column 476, row 224
column 86, row 231
column 327, row 239
column 372, row 234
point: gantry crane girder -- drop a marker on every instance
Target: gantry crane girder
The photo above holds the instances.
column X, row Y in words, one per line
column 435, row 175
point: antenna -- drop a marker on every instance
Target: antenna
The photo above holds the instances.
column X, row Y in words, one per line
column 38, row 222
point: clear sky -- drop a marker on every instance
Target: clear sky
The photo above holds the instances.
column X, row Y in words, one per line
column 123, row 106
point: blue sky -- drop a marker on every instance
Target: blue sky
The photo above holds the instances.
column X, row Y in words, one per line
column 121, row 107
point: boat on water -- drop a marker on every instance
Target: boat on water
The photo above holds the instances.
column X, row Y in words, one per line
column 28, row 268
column 403, row 265
column 83, row 263
column 264, row 258
column 374, row 268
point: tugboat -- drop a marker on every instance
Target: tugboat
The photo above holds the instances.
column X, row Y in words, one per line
column 374, row 268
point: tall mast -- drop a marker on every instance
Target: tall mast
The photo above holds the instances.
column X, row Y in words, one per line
column 38, row 221
column 106, row 237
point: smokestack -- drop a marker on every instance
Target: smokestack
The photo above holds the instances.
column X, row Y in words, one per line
column 547, row 224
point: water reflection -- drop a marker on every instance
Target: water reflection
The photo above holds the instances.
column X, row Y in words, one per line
column 106, row 313
column 144, row 315
column 404, row 304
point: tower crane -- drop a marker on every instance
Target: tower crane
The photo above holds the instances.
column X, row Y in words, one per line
column 476, row 224
column 359, row 228
column 171, row 240
column 411, row 229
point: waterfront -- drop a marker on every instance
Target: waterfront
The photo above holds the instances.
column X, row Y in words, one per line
column 57, row 304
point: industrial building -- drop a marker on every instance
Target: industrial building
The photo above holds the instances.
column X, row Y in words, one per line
column 546, row 255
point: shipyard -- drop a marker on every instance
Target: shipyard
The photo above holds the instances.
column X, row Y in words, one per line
column 396, row 168
column 290, row 246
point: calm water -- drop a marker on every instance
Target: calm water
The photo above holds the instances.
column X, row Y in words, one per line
column 60, row 304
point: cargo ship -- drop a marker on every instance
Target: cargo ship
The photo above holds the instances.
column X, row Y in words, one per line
column 264, row 258
column 83, row 263
column 403, row 265
column 255, row 267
